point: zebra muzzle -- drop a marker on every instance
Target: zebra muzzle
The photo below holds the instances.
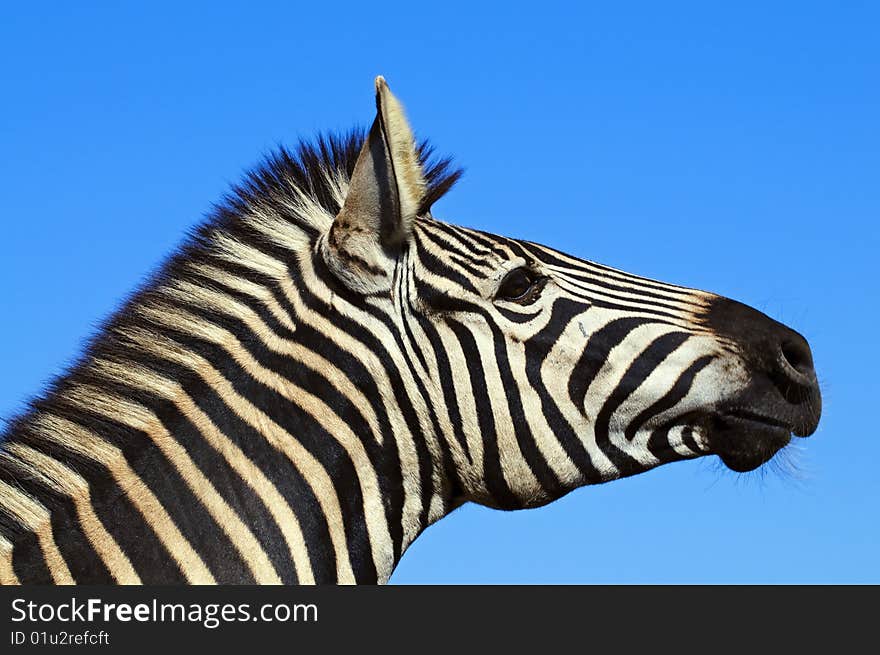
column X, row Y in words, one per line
column 781, row 397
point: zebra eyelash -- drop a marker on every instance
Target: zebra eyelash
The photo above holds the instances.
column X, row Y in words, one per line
column 522, row 286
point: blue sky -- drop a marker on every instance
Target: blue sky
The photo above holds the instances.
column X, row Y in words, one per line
column 733, row 148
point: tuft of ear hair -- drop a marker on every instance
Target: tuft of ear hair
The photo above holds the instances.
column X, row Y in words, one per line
column 386, row 190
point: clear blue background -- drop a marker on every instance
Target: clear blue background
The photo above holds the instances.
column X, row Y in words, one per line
column 733, row 148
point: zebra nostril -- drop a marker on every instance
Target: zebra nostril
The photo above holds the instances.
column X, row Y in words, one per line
column 796, row 354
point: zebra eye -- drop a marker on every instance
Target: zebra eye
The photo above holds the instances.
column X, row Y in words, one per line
column 517, row 286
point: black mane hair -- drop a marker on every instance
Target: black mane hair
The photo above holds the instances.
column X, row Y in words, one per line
column 304, row 168
column 268, row 187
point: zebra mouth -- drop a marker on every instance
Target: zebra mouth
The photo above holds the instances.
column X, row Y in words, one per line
column 744, row 440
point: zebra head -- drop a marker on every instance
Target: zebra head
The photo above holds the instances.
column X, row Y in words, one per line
column 545, row 371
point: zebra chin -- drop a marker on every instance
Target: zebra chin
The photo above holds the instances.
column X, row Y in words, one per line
column 743, row 441
column 747, row 431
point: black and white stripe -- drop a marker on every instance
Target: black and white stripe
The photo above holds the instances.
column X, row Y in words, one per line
column 287, row 402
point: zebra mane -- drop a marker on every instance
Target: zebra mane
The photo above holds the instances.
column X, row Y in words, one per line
column 306, row 169
column 314, row 168
column 304, row 185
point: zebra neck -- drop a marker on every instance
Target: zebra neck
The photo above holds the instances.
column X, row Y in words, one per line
column 189, row 460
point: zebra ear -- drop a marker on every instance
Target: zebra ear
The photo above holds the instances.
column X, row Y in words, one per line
column 386, row 190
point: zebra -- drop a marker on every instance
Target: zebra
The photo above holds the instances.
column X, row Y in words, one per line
column 324, row 369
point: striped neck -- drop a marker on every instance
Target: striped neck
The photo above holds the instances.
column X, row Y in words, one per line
column 235, row 425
